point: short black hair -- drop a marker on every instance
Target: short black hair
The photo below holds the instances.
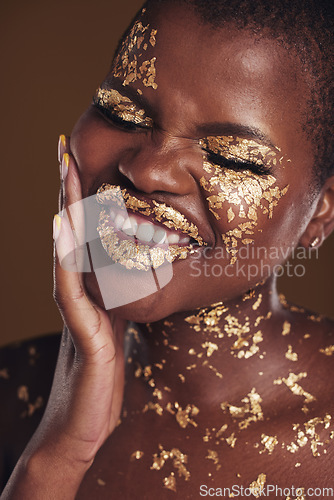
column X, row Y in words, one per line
column 307, row 28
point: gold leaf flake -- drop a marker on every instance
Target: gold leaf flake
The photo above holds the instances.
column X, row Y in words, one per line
column 258, row 485
column 286, row 328
column 292, row 356
column 291, row 383
column 328, row 351
column 213, row 455
column 170, row 482
column 211, row 348
column 269, row 443
column 136, row 455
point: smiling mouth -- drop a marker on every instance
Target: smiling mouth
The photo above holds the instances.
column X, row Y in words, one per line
column 142, row 235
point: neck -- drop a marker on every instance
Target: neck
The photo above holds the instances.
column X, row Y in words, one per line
column 221, row 347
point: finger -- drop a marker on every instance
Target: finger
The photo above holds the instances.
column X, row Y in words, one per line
column 80, row 316
column 63, row 144
column 62, row 149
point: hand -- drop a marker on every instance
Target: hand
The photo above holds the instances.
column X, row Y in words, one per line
column 86, row 397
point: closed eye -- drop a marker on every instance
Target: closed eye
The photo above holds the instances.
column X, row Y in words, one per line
column 132, row 124
column 236, row 163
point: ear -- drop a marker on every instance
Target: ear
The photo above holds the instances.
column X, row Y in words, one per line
column 322, row 222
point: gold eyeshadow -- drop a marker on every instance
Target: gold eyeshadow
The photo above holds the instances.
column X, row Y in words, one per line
column 244, row 150
column 122, row 107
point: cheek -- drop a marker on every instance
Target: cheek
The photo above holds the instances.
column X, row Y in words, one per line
column 97, row 148
column 242, row 204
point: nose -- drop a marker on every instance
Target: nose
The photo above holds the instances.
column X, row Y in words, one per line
column 161, row 164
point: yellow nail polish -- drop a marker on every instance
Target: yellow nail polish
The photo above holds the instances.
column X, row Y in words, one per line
column 61, row 146
column 64, row 165
column 67, row 159
column 56, row 226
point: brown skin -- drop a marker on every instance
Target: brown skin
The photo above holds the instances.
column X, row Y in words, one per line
column 229, row 79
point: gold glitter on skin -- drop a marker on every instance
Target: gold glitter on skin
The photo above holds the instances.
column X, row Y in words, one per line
column 121, row 106
column 291, row 383
column 240, row 188
column 309, row 434
column 328, row 351
column 170, row 482
column 207, row 320
column 136, row 455
column 290, row 355
column 153, row 406
column 258, row 485
column 252, row 407
column 286, row 328
column 183, row 416
column 257, row 303
column 231, row 440
column 269, row 443
column 213, row 455
column 210, row 347
column 179, row 461
column 127, row 65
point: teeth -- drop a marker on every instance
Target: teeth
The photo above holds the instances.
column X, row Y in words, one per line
column 184, row 240
column 130, row 226
column 145, row 232
column 173, row 239
column 159, row 236
column 119, row 221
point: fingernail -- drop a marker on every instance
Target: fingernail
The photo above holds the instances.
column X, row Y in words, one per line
column 56, row 226
column 61, row 142
column 64, row 165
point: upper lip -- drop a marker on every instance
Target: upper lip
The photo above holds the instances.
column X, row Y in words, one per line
column 156, row 212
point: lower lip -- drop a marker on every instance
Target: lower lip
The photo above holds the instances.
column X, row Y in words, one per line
column 131, row 253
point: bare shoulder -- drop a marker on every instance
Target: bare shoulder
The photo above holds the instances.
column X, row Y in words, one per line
column 26, row 374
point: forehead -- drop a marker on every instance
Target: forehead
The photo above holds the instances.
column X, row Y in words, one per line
column 224, row 75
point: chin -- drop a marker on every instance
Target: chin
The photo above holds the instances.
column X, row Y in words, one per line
column 132, row 295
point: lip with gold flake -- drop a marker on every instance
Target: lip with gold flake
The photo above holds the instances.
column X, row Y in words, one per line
column 148, row 235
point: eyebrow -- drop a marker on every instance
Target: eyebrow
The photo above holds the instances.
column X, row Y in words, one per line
column 217, row 129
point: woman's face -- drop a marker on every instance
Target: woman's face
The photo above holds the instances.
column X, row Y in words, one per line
column 209, row 123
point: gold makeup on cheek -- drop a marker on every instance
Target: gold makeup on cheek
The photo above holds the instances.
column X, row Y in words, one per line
column 121, row 106
column 249, row 192
column 128, row 64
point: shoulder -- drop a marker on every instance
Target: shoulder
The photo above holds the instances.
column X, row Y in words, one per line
column 26, row 374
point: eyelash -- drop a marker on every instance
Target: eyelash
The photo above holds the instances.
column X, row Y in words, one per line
column 113, row 117
column 237, row 164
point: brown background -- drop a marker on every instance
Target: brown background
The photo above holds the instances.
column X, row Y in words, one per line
column 53, row 55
